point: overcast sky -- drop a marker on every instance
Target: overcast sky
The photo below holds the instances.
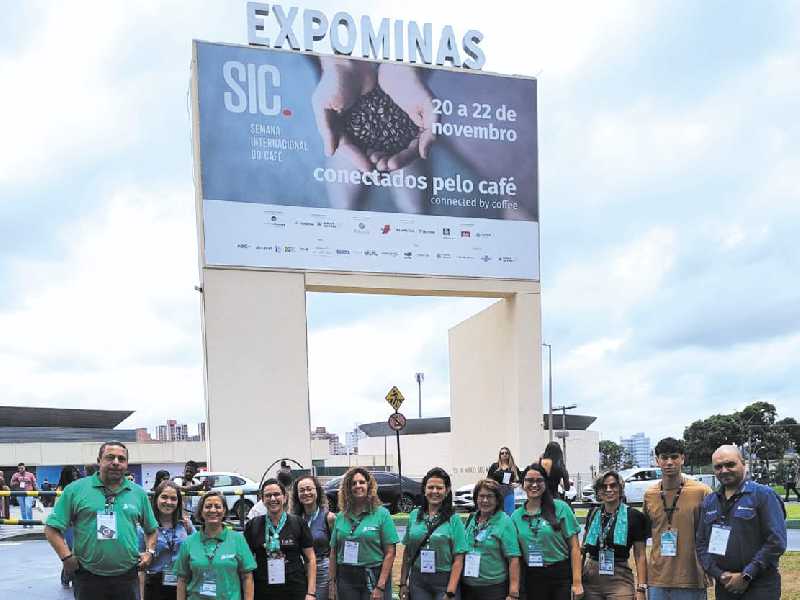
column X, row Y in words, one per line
column 670, row 212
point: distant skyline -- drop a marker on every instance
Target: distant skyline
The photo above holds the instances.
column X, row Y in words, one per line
column 669, row 178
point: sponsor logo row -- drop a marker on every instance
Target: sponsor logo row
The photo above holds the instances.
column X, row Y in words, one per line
column 466, row 231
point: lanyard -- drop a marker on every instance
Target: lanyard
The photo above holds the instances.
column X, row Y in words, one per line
column 477, row 529
column 607, row 528
column 111, row 498
column 530, row 519
column 728, row 504
column 671, row 509
column 171, row 538
column 272, row 541
column 211, row 556
column 312, row 518
column 354, row 524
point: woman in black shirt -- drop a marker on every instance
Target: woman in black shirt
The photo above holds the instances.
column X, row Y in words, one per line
column 506, row 473
column 611, row 530
column 553, row 462
column 284, row 549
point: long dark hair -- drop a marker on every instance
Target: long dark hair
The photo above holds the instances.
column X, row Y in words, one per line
column 548, row 505
column 177, row 516
column 161, row 475
column 446, row 509
column 554, row 452
column 68, row 475
column 297, row 506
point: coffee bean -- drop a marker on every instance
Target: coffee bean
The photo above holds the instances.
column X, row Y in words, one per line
column 376, row 122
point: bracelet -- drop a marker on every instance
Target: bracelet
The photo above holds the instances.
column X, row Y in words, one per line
column 313, row 595
column 67, row 557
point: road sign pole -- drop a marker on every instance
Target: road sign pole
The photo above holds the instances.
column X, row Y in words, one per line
column 399, row 467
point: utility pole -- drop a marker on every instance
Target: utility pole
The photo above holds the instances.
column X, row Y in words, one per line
column 549, row 391
column 420, row 378
column 563, row 434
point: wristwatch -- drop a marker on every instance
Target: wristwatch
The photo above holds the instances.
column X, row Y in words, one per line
column 151, row 552
column 450, row 594
column 747, row 577
column 642, row 587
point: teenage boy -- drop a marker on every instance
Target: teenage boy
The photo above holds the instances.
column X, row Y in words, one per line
column 673, row 506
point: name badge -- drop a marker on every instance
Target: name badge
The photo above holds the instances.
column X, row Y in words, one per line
column 472, row 565
column 506, row 478
column 427, row 561
column 169, row 578
column 22, row 484
column 535, row 557
column 208, row 585
column 350, row 552
column 718, row 544
column 276, row 571
column 669, row 543
column 606, row 560
column 106, row 526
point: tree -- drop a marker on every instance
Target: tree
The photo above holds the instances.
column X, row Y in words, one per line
column 792, row 429
column 704, row 436
column 764, row 441
column 611, row 455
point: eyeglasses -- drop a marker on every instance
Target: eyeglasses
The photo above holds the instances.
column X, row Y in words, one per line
column 609, row 486
column 273, row 495
column 533, row 481
column 504, row 452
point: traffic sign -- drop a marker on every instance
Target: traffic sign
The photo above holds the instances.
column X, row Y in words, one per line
column 394, row 398
column 397, row 421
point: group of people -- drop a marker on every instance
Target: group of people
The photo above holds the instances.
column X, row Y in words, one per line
column 127, row 546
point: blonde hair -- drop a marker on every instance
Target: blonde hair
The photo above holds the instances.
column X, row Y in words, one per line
column 511, row 464
column 346, row 500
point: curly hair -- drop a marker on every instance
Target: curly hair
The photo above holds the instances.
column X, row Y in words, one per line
column 297, row 506
column 346, row 500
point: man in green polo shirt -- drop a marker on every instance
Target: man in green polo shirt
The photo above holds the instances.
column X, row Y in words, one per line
column 104, row 510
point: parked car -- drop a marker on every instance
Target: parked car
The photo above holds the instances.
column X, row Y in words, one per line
column 637, row 480
column 224, row 481
column 462, row 498
column 388, row 492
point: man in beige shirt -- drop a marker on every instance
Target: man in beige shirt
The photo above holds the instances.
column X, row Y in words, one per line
column 673, row 507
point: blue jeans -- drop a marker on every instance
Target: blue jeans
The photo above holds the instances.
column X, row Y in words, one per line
column 25, row 507
column 508, row 502
column 665, row 593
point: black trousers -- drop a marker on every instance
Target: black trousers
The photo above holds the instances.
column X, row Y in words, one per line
column 497, row 591
column 766, row 586
column 154, row 590
column 789, row 487
column 88, row 586
column 551, row 582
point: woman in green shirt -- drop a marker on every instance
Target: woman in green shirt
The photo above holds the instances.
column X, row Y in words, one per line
column 435, row 543
column 214, row 562
column 548, row 538
column 362, row 541
column 491, row 565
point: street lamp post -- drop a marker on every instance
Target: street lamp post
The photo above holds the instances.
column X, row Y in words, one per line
column 420, row 378
column 549, row 391
column 564, row 433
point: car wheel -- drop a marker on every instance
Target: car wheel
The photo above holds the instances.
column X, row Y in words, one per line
column 404, row 504
column 236, row 507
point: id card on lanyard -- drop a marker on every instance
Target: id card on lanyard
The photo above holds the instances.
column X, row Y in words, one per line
column 106, row 524
column 208, row 582
column 350, row 555
column 535, row 555
column 168, row 576
column 718, row 543
column 669, row 538
column 472, row 564
column 427, row 561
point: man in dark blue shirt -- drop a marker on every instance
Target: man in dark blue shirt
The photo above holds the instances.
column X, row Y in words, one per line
column 742, row 533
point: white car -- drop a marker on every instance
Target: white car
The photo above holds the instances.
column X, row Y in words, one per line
column 637, row 480
column 225, row 481
column 462, row 497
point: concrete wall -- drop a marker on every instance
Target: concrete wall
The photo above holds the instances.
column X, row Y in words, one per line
column 418, row 452
column 84, row 453
column 496, row 386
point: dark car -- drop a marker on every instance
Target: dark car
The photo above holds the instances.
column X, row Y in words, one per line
column 388, row 492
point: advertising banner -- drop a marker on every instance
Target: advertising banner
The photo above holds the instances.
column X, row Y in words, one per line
column 331, row 163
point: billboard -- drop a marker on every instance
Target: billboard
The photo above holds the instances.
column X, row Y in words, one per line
column 330, row 163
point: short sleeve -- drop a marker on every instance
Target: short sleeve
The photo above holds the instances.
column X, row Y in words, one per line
column 568, row 521
column 388, row 530
column 639, row 532
column 182, row 566
column 412, row 517
column 149, row 522
column 459, row 534
column 61, row 517
column 247, row 562
column 509, row 540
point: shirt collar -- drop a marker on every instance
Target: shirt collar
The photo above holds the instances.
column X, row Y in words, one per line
column 746, row 487
column 221, row 536
column 124, row 485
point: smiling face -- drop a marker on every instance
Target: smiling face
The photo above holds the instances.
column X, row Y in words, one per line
column 273, row 498
column 435, row 491
column 609, row 490
column 213, row 510
column 535, row 484
column 167, row 501
column 359, row 486
column 487, row 501
column 307, row 493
